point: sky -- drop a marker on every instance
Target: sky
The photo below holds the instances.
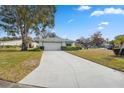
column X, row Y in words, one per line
column 75, row 21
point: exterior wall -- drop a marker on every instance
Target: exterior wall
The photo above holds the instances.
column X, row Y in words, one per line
column 40, row 44
column 63, row 44
column 15, row 42
column 73, row 44
column 35, row 44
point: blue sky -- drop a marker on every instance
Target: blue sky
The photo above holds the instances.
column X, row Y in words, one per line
column 75, row 21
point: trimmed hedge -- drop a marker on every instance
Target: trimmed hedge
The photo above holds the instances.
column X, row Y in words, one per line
column 117, row 50
column 70, row 48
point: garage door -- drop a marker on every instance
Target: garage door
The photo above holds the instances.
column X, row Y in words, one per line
column 52, row 46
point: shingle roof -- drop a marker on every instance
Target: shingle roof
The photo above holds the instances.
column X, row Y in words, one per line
column 55, row 39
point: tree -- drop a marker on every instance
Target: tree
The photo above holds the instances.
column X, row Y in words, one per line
column 84, row 42
column 118, row 41
column 120, row 38
column 21, row 19
column 111, row 44
column 97, row 39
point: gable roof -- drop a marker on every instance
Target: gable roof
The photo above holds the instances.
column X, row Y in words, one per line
column 55, row 39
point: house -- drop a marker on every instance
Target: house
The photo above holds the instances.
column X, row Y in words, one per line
column 11, row 43
column 55, row 43
column 16, row 43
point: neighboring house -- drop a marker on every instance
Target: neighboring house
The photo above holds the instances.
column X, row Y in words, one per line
column 55, row 43
column 16, row 42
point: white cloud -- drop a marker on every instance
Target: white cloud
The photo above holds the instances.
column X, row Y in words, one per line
column 83, row 7
column 104, row 24
column 71, row 20
column 100, row 28
column 108, row 11
column 97, row 13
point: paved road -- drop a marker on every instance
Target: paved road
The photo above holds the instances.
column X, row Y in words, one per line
column 61, row 69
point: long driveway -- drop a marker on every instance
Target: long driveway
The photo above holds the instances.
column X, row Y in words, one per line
column 61, row 69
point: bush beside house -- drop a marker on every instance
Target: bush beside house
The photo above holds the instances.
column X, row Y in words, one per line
column 70, row 48
column 42, row 47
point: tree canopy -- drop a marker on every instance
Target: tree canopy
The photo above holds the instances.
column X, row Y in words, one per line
column 95, row 40
column 21, row 19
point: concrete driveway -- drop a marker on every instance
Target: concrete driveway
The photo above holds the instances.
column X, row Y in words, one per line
column 61, row 69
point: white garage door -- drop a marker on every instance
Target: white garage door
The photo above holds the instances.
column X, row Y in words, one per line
column 52, row 46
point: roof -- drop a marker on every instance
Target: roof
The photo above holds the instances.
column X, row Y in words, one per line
column 56, row 39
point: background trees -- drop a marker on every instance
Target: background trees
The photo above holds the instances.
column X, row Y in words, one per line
column 84, row 42
column 23, row 19
column 95, row 40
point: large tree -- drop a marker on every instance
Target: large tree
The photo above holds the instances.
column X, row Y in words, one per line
column 23, row 19
column 97, row 39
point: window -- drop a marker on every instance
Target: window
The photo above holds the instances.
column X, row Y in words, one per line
column 68, row 44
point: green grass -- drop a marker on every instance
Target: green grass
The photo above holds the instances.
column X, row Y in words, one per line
column 15, row 64
column 103, row 57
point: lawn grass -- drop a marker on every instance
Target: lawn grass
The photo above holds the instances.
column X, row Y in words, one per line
column 15, row 64
column 102, row 56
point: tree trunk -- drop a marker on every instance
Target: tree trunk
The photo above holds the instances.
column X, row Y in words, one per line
column 24, row 46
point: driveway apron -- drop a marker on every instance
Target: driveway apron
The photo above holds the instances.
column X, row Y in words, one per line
column 59, row 69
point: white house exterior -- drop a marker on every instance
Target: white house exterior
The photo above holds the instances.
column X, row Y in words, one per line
column 12, row 43
column 55, row 43
column 16, row 42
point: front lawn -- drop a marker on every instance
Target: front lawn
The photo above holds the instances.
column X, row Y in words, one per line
column 15, row 64
column 102, row 56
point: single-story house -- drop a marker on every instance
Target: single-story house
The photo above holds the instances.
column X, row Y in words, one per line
column 55, row 43
column 16, row 43
column 11, row 43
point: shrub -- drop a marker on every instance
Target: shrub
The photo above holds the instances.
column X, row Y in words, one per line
column 42, row 47
column 117, row 50
column 70, row 48
column 35, row 49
